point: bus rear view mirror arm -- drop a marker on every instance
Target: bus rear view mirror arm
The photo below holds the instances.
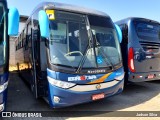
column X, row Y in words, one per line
column 119, row 32
column 44, row 24
column 13, row 22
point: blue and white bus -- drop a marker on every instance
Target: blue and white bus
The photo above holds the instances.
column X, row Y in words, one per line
column 9, row 24
column 71, row 55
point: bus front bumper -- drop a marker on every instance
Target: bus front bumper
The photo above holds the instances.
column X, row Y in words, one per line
column 140, row 77
column 59, row 97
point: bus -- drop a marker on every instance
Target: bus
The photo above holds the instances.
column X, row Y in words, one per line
column 140, row 49
column 9, row 24
column 70, row 54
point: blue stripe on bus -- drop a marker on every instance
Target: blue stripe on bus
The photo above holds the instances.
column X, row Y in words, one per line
column 65, row 76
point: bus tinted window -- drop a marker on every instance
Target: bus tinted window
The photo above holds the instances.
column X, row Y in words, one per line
column 100, row 21
column 148, row 31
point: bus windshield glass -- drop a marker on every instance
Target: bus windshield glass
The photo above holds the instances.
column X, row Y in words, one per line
column 106, row 42
column 148, row 31
column 2, row 34
column 71, row 43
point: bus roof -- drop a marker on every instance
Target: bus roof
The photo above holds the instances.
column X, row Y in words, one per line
column 135, row 18
column 68, row 7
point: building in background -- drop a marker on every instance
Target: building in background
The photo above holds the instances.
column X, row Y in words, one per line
column 13, row 60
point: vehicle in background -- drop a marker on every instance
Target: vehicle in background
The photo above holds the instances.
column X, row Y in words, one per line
column 9, row 24
column 71, row 55
column 140, row 49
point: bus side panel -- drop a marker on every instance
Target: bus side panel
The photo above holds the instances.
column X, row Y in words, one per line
column 26, row 64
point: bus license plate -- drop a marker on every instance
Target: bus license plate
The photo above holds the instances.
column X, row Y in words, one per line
column 98, row 96
column 150, row 76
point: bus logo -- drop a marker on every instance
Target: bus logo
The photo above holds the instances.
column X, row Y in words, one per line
column 82, row 78
column 98, row 86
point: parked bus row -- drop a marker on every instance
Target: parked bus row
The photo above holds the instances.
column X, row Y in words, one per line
column 72, row 55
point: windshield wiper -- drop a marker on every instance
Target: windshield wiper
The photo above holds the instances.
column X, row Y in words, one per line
column 81, row 63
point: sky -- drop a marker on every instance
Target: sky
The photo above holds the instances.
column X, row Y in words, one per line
column 116, row 9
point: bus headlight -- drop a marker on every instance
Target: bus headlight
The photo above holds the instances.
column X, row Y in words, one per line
column 120, row 77
column 3, row 87
column 60, row 84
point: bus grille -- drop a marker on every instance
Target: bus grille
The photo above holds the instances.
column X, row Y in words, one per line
column 154, row 46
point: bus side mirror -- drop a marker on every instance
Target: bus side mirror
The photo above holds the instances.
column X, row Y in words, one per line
column 13, row 22
column 119, row 33
column 44, row 24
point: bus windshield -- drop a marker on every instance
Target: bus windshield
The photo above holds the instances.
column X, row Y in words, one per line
column 2, row 34
column 148, row 31
column 70, row 41
column 106, row 41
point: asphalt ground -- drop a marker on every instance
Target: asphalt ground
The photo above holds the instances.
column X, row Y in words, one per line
column 137, row 97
